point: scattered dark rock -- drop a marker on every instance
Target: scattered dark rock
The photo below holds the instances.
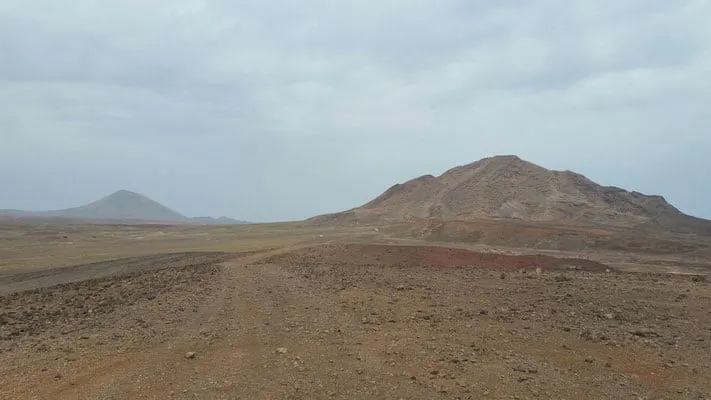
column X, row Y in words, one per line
column 524, row 369
column 644, row 332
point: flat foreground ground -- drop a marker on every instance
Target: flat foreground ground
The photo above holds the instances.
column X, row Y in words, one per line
column 352, row 321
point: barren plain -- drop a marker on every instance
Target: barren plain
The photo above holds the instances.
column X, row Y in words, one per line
column 297, row 311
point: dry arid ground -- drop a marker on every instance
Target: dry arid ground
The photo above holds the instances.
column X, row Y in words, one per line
column 285, row 311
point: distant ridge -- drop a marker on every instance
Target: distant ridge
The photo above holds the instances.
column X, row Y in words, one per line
column 123, row 205
column 218, row 221
column 511, row 188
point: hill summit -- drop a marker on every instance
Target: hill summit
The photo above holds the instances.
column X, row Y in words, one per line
column 512, row 188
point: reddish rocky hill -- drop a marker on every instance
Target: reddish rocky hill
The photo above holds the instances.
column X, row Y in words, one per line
column 507, row 187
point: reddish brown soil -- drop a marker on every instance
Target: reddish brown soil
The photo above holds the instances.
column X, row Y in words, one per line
column 428, row 256
column 358, row 322
column 551, row 236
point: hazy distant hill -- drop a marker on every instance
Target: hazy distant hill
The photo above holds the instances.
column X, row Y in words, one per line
column 219, row 221
column 122, row 205
column 511, row 188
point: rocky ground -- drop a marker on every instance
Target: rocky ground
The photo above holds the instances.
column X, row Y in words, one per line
column 361, row 322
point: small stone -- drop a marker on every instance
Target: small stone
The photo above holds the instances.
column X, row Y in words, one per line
column 190, row 355
column 589, row 359
column 644, row 332
column 281, row 350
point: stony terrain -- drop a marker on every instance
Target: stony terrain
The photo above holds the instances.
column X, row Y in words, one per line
column 359, row 321
column 558, row 237
column 14, row 281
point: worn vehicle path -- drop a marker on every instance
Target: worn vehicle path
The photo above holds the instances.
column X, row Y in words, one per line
column 297, row 323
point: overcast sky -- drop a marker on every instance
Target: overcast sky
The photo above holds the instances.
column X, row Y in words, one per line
column 279, row 110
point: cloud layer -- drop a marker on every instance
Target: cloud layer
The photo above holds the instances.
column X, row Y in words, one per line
column 273, row 110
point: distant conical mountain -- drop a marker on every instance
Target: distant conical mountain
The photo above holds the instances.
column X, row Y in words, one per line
column 123, row 205
column 509, row 187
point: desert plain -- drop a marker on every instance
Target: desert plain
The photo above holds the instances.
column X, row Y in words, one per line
column 309, row 311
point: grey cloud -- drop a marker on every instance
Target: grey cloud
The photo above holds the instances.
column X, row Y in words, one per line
column 279, row 110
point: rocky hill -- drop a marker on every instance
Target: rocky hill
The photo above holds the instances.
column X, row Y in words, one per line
column 510, row 188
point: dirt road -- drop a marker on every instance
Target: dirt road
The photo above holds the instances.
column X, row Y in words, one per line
column 312, row 323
